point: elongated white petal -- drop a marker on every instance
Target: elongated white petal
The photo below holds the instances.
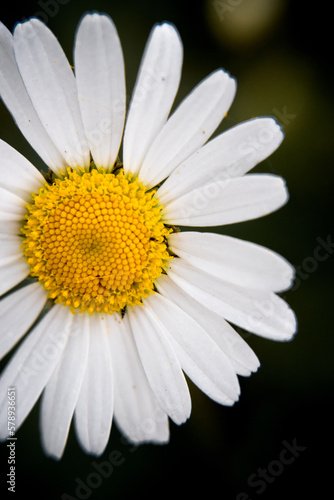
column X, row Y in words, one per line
column 94, row 410
column 10, row 227
column 12, row 207
column 15, row 96
column 18, row 311
column 241, row 356
column 62, row 391
column 33, row 363
column 154, row 93
column 99, row 70
column 137, row 412
column 200, row 355
column 231, row 154
column 160, row 363
column 190, row 126
column 233, row 260
column 13, row 267
column 228, row 202
column 13, row 273
column 51, row 86
column 10, row 250
column 257, row 311
column 17, row 174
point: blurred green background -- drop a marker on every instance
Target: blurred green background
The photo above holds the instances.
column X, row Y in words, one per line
column 278, row 50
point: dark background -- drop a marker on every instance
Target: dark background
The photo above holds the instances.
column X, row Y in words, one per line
column 279, row 52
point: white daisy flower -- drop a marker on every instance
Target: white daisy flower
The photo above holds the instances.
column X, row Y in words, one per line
column 120, row 305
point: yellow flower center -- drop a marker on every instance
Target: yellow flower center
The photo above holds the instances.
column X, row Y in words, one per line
column 95, row 240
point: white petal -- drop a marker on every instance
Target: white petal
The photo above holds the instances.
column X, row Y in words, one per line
column 241, row 356
column 160, row 363
column 190, row 126
column 13, row 267
column 137, row 412
column 17, row 174
column 62, row 391
column 99, row 70
column 200, row 356
column 228, row 202
column 15, row 96
column 51, row 85
column 154, row 93
column 33, row 363
column 10, row 227
column 13, row 273
column 230, row 259
column 257, row 311
column 94, row 410
column 18, row 311
column 12, row 207
column 10, row 250
column 231, row 154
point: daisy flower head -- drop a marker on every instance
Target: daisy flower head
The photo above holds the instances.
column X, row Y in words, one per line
column 111, row 303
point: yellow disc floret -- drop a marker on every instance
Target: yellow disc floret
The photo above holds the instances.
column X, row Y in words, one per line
column 95, row 240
